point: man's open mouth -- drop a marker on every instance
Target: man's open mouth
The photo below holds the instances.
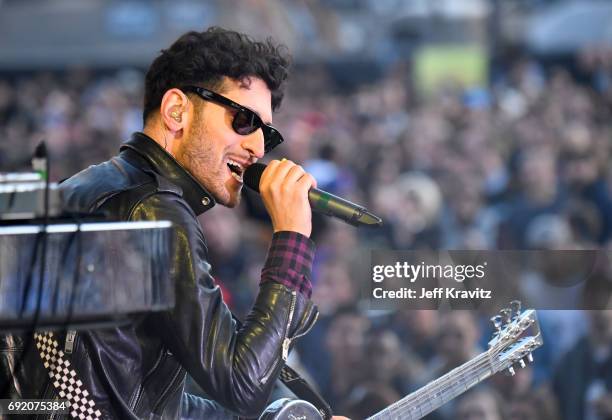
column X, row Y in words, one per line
column 235, row 169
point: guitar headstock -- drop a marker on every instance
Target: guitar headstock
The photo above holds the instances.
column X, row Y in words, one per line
column 517, row 335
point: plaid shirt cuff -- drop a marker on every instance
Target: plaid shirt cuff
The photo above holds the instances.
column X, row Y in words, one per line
column 289, row 261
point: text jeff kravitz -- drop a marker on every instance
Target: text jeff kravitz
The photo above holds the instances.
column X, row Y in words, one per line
column 435, row 293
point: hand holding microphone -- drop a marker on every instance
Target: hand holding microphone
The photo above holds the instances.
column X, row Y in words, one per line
column 284, row 186
column 263, row 179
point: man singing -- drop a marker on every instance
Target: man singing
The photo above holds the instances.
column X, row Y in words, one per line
column 207, row 116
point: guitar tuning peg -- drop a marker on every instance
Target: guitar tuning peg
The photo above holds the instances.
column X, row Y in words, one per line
column 516, row 306
column 511, row 371
column 530, row 357
column 506, row 315
column 522, row 363
column 497, row 322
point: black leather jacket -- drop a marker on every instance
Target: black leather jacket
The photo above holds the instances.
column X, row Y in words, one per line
column 139, row 371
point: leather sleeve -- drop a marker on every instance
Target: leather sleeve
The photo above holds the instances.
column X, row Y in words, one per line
column 237, row 368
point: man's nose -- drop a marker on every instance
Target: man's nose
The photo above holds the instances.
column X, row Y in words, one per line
column 254, row 143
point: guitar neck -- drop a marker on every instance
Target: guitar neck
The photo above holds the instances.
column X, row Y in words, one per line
column 513, row 343
column 437, row 393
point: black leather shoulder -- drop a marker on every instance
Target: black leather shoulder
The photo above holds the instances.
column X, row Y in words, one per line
column 116, row 186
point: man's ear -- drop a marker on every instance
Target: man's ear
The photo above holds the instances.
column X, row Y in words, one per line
column 173, row 106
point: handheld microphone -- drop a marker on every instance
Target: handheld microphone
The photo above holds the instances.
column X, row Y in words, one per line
column 321, row 201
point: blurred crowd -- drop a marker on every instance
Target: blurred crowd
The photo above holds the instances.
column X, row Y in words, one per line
column 524, row 163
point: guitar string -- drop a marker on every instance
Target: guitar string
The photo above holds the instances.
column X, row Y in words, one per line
column 445, row 383
column 428, row 389
column 452, row 381
column 477, row 362
column 439, row 386
column 436, row 386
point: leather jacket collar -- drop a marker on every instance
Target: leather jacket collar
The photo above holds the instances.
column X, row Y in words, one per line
column 162, row 163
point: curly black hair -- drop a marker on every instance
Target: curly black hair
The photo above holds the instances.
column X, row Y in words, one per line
column 204, row 58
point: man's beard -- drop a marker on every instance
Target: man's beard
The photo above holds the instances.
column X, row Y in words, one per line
column 197, row 156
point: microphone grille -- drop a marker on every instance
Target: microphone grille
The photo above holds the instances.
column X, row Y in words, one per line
column 252, row 175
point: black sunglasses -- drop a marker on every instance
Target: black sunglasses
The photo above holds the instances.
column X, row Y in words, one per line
column 245, row 120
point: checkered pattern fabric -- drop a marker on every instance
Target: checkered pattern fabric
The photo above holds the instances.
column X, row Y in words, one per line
column 65, row 379
column 287, row 374
column 289, row 261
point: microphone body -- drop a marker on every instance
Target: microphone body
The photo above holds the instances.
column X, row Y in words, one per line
column 322, row 201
